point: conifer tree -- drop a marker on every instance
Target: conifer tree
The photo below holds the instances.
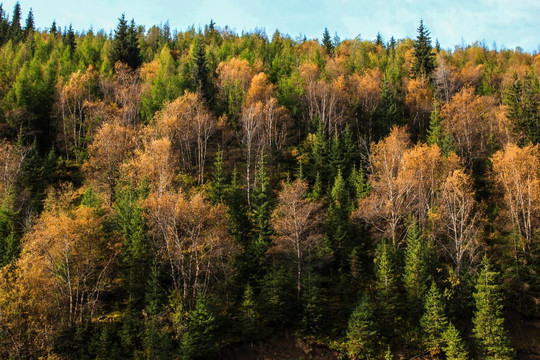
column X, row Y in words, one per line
column 453, row 347
column 338, row 219
column 239, row 224
column 4, row 26
column 416, row 273
column 69, row 39
column 327, row 42
column 15, row 31
column 522, row 103
column 434, row 321
column 200, row 73
column 134, row 59
column 261, row 206
column 424, row 59
column 336, row 158
column 198, row 342
column 490, row 338
column 319, row 154
column 386, row 286
column 358, row 183
column 125, row 46
column 437, row 133
column 361, row 331
column 53, row 30
column 29, row 26
column 217, row 187
column 249, row 314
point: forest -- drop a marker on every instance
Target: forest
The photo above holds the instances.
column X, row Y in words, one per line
column 171, row 194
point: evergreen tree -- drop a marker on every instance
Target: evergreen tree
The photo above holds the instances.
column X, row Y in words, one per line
column 424, row 59
column 437, row 133
column 239, row 224
column 249, row 315
column 9, row 240
column 200, row 73
column 327, row 42
column 453, row 347
column 69, row 39
column 156, row 343
column 125, row 46
column 434, row 321
column 261, row 206
column 319, row 155
column 15, row 31
column 522, row 103
column 4, row 26
column 217, row 187
column 134, row 58
column 317, row 192
column 361, row 331
column 386, row 286
column 358, row 184
column 53, row 30
column 338, row 219
column 387, row 112
column 199, row 340
column 336, row 158
column 379, row 40
column 491, row 340
column 416, row 274
column 29, row 26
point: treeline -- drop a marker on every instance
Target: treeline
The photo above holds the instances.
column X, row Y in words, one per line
column 169, row 194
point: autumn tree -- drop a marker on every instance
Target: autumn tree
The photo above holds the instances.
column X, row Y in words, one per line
column 296, row 222
column 388, row 204
column 111, row 145
column 459, row 218
column 367, row 93
column 233, row 81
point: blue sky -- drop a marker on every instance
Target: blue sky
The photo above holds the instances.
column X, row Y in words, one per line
column 508, row 23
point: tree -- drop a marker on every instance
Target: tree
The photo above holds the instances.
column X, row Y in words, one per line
column 491, row 340
column 125, row 46
column 458, row 217
column 217, row 187
column 198, row 342
column 434, row 321
column 327, row 42
column 69, row 39
column 15, row 31
column 29, row 26
column 297, row 223
column 386, row 286
column 200, row 75
column 361, row 331
column 424, row 59
column 453, row 347
column 338, row 219
column 522, row 102
column 416, row 273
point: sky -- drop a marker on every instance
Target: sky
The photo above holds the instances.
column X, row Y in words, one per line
column 501, row 23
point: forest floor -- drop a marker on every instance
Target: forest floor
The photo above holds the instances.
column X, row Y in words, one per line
column 279, row 347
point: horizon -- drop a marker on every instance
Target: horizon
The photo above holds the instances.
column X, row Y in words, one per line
column 451, row 26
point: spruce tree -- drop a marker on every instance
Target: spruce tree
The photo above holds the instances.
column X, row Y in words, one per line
column 261, row 205
column 416, row 272
column 69, row 39
column 125, row 46
column 386, row 286
column 454, row 347
column 361, row 331
column 336, row 158
column 15, row 31
column 199, row 340
column 217, row 186
column 53, row 30
column 522, row 103
column 327, row 42
column 490, row 337
column 434, row 321
column 4, row 26
column 437, row 133
column 200, row 73
column 424, row 59
column 338, row 219
column 134, row 58
column 29, row 26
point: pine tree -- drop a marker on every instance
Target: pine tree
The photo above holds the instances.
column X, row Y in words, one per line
column 15, row 31
column 198, row 342
column 434, row 321
column 490, row 338
column 379, row 40
column 125, row 46
column 69, row 39
column 29, row 26
column 53, row 30
column 327, row 42
column 239, row 224
column 261, row 206
column 361, row 331
column 249, row 315
column 4, row 26
column 200, row 73
column 416, row 274
column 338, row 219
column 424, row 59
column 437, row 133
column 453, row 347
column 358, row 184
column 386, row 288
column 217, row 187
column 319, row 155
column 134, row 58
column 336, row 158
column 522, row 103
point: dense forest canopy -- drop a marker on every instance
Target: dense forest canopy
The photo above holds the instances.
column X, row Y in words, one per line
column 174, row 194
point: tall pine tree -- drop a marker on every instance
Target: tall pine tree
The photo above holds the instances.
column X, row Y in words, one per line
column 424, row 59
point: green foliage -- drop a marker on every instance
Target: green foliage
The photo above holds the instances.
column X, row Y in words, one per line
column 200, row 72
column 125, row 47
column 437, row 133
column 521, row 99
column 327, row 42
column 417, row 271
column 249, row 315
column 434, row 321
column 453, row 347
column 199, row 342
column 261, row 204
column 424, row 59
column 217, row 186
column 338, row 219
column 490, row 338
column 386, row 289
column 9, row 239
column 361, row 332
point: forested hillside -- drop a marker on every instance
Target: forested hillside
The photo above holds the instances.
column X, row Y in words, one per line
column 177, row 194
